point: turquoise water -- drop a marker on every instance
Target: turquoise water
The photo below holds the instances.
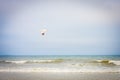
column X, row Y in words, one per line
column 77, row 63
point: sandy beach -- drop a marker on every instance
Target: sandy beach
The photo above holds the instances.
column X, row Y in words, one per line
column 58, row 76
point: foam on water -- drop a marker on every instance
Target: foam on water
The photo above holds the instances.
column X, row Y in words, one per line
column 115, row 62
column 59, row 70
column 60, row 64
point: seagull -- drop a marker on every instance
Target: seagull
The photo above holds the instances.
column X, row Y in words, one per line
column 43, row 32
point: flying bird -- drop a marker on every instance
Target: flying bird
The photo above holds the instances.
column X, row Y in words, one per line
column 43, row 32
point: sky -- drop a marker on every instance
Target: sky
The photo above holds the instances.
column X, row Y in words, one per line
column 74, row 27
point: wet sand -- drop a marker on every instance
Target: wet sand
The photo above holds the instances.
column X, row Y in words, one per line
column 58, row 76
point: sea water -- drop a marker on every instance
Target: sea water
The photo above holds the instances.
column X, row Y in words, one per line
column 60, row 63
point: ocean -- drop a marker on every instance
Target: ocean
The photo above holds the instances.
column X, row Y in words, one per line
column 60, row 63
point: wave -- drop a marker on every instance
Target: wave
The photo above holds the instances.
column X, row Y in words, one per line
column 66, row 66
column 115, row 62
column 69, row 62
column 108, row 62
column 32, row 61
column 16, row 62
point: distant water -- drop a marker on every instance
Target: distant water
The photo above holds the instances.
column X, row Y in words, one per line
column 63, row 63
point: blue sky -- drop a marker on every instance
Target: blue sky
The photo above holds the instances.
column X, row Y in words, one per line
column 84, row 27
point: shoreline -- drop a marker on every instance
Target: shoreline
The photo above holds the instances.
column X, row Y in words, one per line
column 59, row 70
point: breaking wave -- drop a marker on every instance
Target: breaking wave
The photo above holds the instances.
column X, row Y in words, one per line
column 108, row 62
column 32, row 61
column 95, row 62
column 66, row 65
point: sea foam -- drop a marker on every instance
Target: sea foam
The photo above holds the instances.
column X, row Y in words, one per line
column 59, row 70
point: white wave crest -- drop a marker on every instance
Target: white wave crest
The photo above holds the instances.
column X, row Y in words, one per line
column 116, row 62
column 59, row 70
column 33, row 61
